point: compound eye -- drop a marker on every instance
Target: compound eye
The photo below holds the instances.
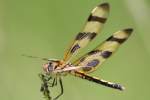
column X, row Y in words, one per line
column 50, row 67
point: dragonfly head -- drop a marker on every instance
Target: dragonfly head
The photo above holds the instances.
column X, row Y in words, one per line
column 51, row 66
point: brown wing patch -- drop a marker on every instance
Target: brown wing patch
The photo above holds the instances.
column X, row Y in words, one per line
column 93, row 63
column 83, row 35
column 97, row 19
column 93, row 52
column 74, row 48
column 106, row 54
column 92, row 35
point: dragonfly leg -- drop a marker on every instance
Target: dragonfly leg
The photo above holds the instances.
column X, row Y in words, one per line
column 62, row 89
column 53, row 83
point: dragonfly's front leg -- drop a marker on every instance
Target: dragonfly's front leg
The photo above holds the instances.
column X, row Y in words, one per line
column 62, row 89
column 47, row 79
column 53, row 83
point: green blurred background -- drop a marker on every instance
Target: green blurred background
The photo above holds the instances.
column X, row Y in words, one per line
column 45, row 28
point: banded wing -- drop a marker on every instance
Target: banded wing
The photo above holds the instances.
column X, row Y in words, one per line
column 103, row 51
column 92, row 27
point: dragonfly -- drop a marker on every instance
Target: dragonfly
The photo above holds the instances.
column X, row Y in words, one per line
column 55, row 69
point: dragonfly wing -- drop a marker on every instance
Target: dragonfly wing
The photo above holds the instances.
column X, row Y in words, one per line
column 92, row 27
column 103, row 51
